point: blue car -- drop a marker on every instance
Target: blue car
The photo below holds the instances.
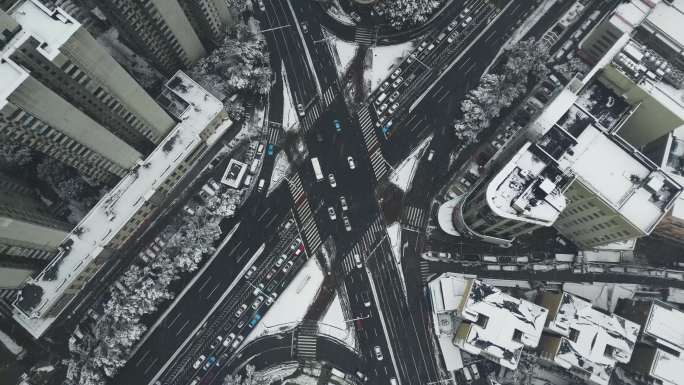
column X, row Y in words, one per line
column 210, row 361
column 269, row 150
column 338, row 125
column 254, row 320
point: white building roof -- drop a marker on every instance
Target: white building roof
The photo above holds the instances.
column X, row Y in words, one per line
column 593, row 341
column 667, row 18
column 628, row 16
column 637, row 189
column 523, row 190
column 115, row 209
column 511, row 324
column 668, row 368
column 666, row 325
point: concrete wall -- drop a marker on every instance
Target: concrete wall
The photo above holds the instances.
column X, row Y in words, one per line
column 46, row 105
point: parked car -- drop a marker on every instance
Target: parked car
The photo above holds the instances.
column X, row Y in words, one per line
column 378, row 353
column 257, row 302
column 237, row 342
column 395, row 74
column 288, row 266
column 280, row 260
column 393, row 108
column 394, row 96
column 216, row 342
column 347, row 224
column 229, row 340
column 331, row 178
column 250, row 272
column 300, row 109
column 240, row 310
column 210, row 361
column 199, row 361
column 343, row 203
column 397, row 82
column 271, row 273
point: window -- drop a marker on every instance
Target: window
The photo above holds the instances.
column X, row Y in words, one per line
column 517, row 335
column 482, row 320
column 574, row 333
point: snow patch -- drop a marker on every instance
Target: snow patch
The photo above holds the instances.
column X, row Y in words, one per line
column 292, row 304
column 345, row 53
column 337, row 13
column 290, row 120
column 383, row 61
column 403, row 174
column 335, row 324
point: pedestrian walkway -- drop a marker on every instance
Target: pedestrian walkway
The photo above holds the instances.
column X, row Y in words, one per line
column 413, row 218
column 424, row 271
column 304, row 214
column 306, row 340
column 312, row 115
column 273, row 133
column 329, row 96
column 378, row 162
column 364, row 35
column 368, row 241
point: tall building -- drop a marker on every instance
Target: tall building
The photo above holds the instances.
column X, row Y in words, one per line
column 659, row 356
column 173, row 34
column 29, row 237
column 127, row 208
column 63, row 95
column 648, row 72
column 526, row 194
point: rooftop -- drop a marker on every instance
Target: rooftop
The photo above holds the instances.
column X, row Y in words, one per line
column 497, row 325
column 592, row 342
column 665, row 324
column 668, row 368
column 628, row 16
column 666, row 19
column 528, row 188
column 117, row 207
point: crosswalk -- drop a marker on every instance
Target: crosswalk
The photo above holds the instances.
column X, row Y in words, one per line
column 413, row 218
column 329, row 96
column 378, row 162
column 306, row 340
column 369, row 240
column 312, row 115
column 273, row 133
column 424, row 271
column 304, row 214
column 364, row 35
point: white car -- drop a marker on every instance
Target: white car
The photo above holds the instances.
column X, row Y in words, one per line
column 378, row 353
column 280, row 260
column 394, row 96
column 411, row 58
column 357, row 261
column 240, row 310
column 396, row 73
column 383, row 107
column 343, row 203
column 331, row 213
column 350, row 162
column 199, row 361
column 228, row 340
column 384, row 86
column 397, row 82
column 300, row 109
column 393, row 108
column 347, row 224
column 331, row 178
column 216, row 342
column 237, row 342
column 257, row 302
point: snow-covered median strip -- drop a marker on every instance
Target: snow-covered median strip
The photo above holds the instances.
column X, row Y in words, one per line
column 394, row 234
column 290, row 120
column 292, row 304
column 383, row 61
column 403, row 174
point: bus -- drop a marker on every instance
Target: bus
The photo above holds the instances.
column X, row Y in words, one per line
column 317, row 169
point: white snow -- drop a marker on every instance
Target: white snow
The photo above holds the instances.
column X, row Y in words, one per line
column 281, row 168
column 334, row 324
column 336, row 12
column 394, row 231
column 10, row 344
column 403, row 174
column 292, row 304
column 529, row 22
column 290, row 120
column 383, row 61
column 602, row 295
column 344, row 51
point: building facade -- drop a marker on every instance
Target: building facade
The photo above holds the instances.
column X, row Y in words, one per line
column 64, row 96
column 126, row 208
column 172, row 34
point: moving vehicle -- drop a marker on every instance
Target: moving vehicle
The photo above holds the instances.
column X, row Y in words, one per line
column 351, row 163
column 396, row 73
column 347, row 224
column 240, row 310
column 394, row 96
column 378, row 353
column 331, row 213
column 254, row 166
column 305, row 27
column 393, row 108
column 431, row 155
column 288, row 266
column 300, row 109
column 260, row 186
column 397, row 82
column 210, row 361
column 343, row 203
column 331, row 178
column 366, row 299
column 248, row 180
column 228, row 340
column 280, row 260
column 269, row 150
column 216, row 342
column 237, row 342
column 317, row 169
column 338, row 125
column 357, row 261
column 380, row 98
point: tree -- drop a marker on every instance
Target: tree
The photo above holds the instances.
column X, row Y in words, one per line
column 13, row 155
column 251, row 377
column 403, row 13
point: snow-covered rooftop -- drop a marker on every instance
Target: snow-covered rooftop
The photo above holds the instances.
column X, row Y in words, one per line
column 665, row 324
column 497, row 325
column 626, row 180
column 104, row 222
column 668, row 368
column 51, row 28
column 528, row 188
column 628, row 16
column 592, row 342
column 667, row 18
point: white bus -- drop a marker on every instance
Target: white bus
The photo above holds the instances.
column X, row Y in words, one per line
column 317, row 169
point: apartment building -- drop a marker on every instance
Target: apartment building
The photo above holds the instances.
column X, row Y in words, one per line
column 172, row 34
column 62, row 94
column 526, row 194
column 126, row 208
column 648, row 72
column 586, row 342
column 483, row 320
column 659, row 356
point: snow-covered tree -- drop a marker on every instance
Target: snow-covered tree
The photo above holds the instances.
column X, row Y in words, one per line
column 406, row 13
column 14, row 155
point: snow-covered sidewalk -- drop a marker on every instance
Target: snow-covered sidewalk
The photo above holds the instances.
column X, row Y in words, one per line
column 292, row 304
column 335, row 325
column 384, row 59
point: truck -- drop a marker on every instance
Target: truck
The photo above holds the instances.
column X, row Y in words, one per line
column 317, row 169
